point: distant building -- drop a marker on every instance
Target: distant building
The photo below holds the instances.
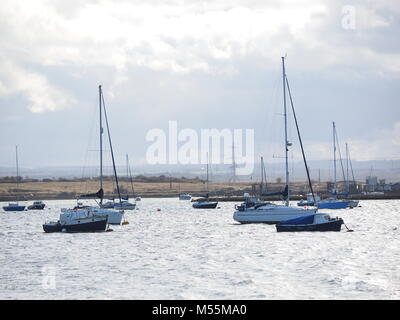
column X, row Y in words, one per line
column 396, row 186
column 371, row 183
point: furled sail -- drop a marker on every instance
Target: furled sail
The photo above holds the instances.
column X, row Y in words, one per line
column 99, row 194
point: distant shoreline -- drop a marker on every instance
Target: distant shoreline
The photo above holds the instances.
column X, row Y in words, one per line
column 10, row 198
column 219, row 191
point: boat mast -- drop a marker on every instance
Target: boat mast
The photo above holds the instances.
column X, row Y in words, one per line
column 16, row 161
column 286, row 139
column 207, row 171
column 101, row 145
column 262, row 176
column 347, row 169
column 111, row 148
column 334, row 157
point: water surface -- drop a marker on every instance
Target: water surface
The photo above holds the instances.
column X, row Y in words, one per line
column 185, row 253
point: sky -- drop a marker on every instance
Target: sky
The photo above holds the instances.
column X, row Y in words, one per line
column 204, row 64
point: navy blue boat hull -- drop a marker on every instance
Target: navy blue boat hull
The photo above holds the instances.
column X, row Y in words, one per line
column 14, row 208
column 333, row 205
column 335, row 225
column 82, row 227
column 199, row 205
column 36, row 207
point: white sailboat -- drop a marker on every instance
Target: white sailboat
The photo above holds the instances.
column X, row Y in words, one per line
column 333, row 202
column 125, row 204
column 15, row 206
column 205, row 203
column 114, row 216
column 269, row 212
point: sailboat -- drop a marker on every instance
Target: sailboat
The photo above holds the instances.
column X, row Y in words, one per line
column 204, row 203
column 252, row 201
column 125, row 204
column 269, row 212
column 352, row 203
column 114, row 216
column 333, row 202
column 15, row 206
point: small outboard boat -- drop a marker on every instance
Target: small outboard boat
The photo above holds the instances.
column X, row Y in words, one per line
column 185, row 196
column 311, row 222
column 77, row 221
column 205, row 205
column 37, row 205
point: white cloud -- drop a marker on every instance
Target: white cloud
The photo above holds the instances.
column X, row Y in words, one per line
column 40, row 93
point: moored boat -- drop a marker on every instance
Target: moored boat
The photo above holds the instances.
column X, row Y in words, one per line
column 312, row 222
column 185, row 196
column 37, row 205
column 205, row 205
column 114, row 216
column 332, row 203
column 77, row 221
column 269, row 213
column 14, row 207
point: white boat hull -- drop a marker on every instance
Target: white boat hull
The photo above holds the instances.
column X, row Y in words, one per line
column 270, row 214
column 114, row 217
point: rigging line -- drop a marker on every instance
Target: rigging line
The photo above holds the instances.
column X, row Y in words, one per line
column 340, row 156
column 351, row 167
column 87, row 152
column 111, row 148
column 131, row 179
column 301, row 143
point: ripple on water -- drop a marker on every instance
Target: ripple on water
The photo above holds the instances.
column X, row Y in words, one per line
column 184, row 253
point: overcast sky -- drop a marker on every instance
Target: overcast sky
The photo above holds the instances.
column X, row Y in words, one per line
column 205, row 64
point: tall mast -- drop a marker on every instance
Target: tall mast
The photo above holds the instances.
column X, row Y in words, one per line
column 101, row 144
column 16, row 161
column 285, row 116
column 334, row 157
column 347, row 169
column 127, row 174
column 262, row 176
column 207, row 171
column 127, row 166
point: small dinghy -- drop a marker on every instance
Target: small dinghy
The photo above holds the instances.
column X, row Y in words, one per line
column 205, row 205
column 185, row 196
column 77, row 221
column 37, row 205
column 311, row 222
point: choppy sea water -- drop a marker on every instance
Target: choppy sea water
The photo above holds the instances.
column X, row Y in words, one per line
column 185, row 253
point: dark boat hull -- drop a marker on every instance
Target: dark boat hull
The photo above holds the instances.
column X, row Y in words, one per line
column 16, row 208
column 208, row 205
column 305, row 204
column 327, row 226
column 36, row 207
column 79, row 227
